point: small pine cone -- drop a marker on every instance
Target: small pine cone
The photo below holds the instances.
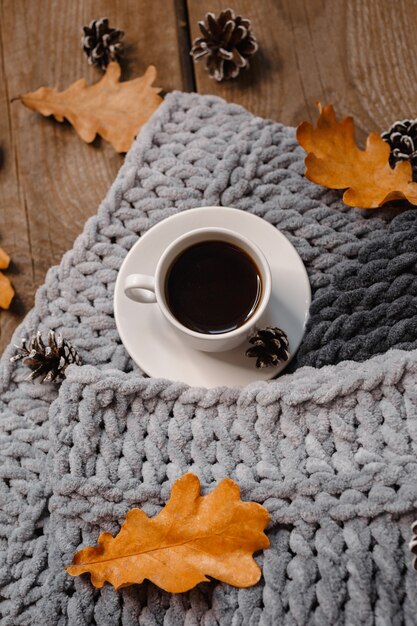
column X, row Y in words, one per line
column 402, row 138
column 269, row 346
column 413, row 544
column 101, row 43
column 227, row 43
column 47, row 361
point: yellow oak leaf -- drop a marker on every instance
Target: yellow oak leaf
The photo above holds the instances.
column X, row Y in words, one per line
column 112, row 109
column 335, row 161
column 192, row 537
column 6, row 289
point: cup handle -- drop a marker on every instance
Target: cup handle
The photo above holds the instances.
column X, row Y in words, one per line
column 140, row 288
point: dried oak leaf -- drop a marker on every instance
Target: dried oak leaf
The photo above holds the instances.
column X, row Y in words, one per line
column 113, row 109
column 335, row 161
column 193, row 537
column 6, row 289
column 4, row 260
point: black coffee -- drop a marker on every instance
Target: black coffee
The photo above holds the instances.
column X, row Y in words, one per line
column 213, row 287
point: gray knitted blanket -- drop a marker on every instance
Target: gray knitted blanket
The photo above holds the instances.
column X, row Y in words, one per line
column 330, row 448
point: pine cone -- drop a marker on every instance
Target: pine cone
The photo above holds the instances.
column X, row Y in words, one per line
column 227, row 43
column 402, row 138
column 48, row 362
column 270, row 347
column 101, row 43
column 413, row 544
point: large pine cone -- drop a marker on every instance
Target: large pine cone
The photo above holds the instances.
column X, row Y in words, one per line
column 227, row 43
column 50, row 361
column 101, row 43
column 402, row 138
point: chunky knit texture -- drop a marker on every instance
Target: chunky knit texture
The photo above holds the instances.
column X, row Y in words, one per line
column 330, row 451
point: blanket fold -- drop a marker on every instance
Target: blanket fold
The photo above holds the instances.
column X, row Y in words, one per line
column 329, row 448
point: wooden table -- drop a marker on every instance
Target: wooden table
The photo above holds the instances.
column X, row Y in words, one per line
column 359, row 55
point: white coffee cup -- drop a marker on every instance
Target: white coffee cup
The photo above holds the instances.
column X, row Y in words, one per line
column 151, row 289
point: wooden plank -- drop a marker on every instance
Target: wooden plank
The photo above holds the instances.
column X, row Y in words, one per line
column 357, row 54
column 13, row 220
column 52, row 181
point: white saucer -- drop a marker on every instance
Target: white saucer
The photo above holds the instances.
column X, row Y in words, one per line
column 160, row 353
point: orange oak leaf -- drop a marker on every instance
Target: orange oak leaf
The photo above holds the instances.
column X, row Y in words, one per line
column 193, row 537
column 335, row 161
column 4, row 260
column 6, row 289
column 110, row 108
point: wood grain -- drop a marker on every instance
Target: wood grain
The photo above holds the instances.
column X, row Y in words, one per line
column 51, row 181
column 13, row 220
column 357, row 54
